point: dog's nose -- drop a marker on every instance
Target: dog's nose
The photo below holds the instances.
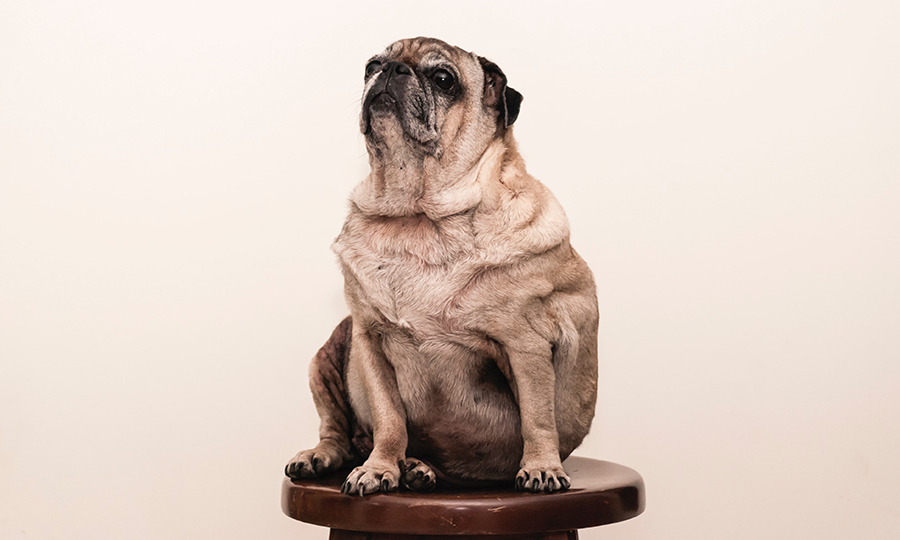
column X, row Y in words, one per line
column 397, row 67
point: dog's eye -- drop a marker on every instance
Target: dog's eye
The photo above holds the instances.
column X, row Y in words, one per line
column 372, row 67
column 443, row 79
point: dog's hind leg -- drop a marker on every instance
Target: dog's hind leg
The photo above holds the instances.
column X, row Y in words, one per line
column 417, row 475
column 337, row 424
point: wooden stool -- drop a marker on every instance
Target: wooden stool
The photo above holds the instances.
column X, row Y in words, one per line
column 601, row 493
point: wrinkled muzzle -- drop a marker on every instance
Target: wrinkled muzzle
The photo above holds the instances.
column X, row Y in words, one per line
column 395, row 94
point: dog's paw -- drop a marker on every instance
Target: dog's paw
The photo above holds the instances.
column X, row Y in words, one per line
column 370, row 478
column 417, row 475
column 542, row 479
column 314, row 463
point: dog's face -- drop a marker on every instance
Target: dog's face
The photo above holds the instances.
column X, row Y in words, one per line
column 428, row 98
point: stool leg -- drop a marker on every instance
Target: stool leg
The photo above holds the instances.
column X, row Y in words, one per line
column 338, row 534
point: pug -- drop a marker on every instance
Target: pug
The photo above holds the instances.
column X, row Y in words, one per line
column 470, row 354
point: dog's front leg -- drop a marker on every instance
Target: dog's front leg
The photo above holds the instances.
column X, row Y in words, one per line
column 381, row 471
column 530, row 360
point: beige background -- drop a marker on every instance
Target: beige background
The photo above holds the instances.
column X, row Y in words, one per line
column 172, row 175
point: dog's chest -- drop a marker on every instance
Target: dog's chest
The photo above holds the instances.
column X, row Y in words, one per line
column 409, row 269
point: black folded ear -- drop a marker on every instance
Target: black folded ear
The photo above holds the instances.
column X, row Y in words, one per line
column 497, row 95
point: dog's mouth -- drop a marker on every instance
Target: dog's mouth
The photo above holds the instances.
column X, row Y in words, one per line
column 377, row 103
column 383, row 102
column 410, row 108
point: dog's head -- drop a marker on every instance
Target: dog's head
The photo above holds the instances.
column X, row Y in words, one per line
column 429, row 98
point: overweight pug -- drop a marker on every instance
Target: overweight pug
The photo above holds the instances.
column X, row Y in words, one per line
column 470, row 356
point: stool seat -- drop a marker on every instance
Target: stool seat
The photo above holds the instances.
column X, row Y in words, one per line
column 601, row 493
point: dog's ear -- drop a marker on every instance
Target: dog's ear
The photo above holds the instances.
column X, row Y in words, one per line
column 499, row 96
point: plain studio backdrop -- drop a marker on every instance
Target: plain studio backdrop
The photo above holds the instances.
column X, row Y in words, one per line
column 172, row 175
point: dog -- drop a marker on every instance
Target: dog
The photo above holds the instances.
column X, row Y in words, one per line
column 470, row 354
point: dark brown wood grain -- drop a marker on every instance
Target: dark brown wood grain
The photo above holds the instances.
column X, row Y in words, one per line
column 601, row 493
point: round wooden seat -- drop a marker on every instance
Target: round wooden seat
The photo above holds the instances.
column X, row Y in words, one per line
column 601, row 493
